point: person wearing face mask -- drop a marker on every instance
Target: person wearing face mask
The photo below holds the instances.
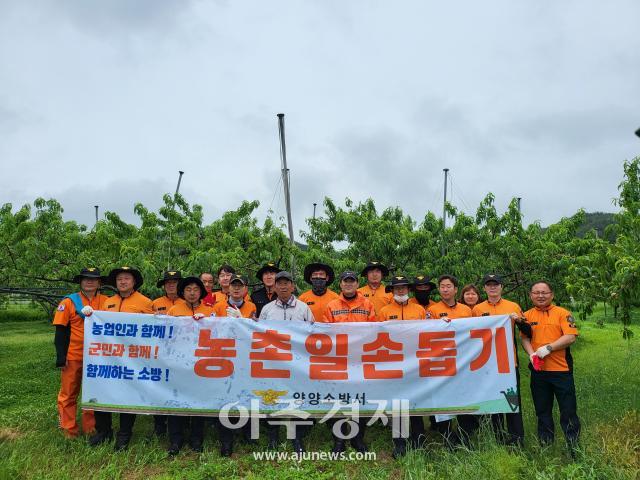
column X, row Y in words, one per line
column 236, row 305
column 422, row 288
column 401, row 309
column 319, row 276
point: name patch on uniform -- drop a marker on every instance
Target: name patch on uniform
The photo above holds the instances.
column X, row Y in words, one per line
column 485, row 314
column 311, row 303
column 393, row 317
column 443, row 314
column 162, row 308
column 111, row 306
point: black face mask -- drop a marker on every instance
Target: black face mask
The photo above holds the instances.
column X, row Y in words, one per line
column 318, row 286
column 422, row 296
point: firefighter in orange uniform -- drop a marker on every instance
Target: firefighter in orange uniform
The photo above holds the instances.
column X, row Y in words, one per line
column 401, row 309
column 161, row 305
column 553, row 330
column 225, row 272
column 447, row 309
column 69, row 343
column 422, row 288
column 496, row 305
column 236, row 307
column 350, row 306
column 127, row 281
column 193, row 292
column 169, row 283
column 319, row 276
column 374, row 290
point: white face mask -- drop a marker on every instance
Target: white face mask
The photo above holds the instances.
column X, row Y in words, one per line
column 401, row 298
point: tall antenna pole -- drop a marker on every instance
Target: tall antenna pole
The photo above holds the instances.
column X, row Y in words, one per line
column 519, row 199
column 285, row 174
column 96, row 207
column 178, row 186
column 314, row 210
column 444, row 208
column 286, row 185
column 180, row 172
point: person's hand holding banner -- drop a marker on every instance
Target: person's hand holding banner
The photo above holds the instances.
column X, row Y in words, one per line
column 198, row 316
column 233, row 312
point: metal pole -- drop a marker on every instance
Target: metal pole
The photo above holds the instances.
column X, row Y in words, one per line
column 444, row 208
column 96, row 207
column 286, row 185
column 285, row 174
column 519, row 205
column 314, row 210
column 179, row 180
column 173, row 207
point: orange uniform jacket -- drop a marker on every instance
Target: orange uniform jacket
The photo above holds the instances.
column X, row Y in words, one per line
column 248, row 309
column 378, row 297
column 547, row 325
column 184, row 310
column 216, row 297
column 318, row 304
column 67, row 315
column 134, row 303
column 163, row 304
column 413, row 300
column 395, row 311
column 502, row 307
column 441, row 309
column 358, row 309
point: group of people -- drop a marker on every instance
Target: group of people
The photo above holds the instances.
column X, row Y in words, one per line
column 546, row 332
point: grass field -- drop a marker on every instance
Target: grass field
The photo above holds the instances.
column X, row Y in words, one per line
column 607, row 371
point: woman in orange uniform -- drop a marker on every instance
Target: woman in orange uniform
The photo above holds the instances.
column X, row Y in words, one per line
column 69, row 342
column 192, row 291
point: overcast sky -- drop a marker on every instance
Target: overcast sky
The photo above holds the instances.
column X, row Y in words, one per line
column 102, row 102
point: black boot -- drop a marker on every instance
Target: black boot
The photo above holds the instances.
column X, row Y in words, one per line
column 122, row 441
column 273, row 436
column 100, row 437
column 338, row 445
column 174, row 449
column 399, row 448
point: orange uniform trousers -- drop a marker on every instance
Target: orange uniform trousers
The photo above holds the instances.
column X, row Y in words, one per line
column 70, row 382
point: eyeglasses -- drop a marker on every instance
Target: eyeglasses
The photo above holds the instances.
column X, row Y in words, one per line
column 540, row 294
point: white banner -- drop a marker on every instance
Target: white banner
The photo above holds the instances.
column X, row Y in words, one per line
column 159, row 364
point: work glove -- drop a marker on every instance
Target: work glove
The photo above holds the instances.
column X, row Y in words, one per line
column 87, row 310
column 445, row 319
column 543, row 351
column 198, row 316
column 536, row 362
column 234, row 312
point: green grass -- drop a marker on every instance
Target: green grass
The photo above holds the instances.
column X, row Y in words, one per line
column 607, row 371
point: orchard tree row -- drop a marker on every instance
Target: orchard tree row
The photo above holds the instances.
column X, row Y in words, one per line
column 38, row 248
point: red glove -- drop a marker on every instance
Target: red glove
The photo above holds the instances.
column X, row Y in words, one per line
column 537, row 362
